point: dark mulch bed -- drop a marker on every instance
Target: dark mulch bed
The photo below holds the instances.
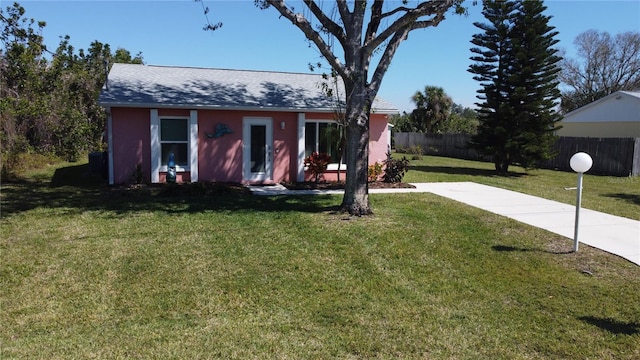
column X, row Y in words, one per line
column 326, row 185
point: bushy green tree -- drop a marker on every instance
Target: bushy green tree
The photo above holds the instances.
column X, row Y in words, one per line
column 462, row 120
column 402, row 122
column 21, row 67
column 48, row 101
column 433, row 107
column 516, row 64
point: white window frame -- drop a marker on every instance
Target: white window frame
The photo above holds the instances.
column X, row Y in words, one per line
column 179, row 168
column 156, row 146
column 331, row 166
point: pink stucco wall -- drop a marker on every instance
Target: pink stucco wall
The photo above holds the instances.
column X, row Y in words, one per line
column 378, row 138
column 220, row 159
column 131, row 143
column 285, row 146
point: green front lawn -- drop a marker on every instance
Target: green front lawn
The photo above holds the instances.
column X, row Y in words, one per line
column 93, row 272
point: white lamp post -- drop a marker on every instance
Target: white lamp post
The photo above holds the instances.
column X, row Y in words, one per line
column 580, row 162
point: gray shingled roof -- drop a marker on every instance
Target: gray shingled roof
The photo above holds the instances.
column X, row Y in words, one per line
column 633, row 94
column 131, row 85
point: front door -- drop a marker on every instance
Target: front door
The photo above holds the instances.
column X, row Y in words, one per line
column 257, row 139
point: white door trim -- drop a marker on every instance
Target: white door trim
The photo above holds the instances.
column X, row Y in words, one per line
column 247, row 173
column 301, row 145
column 193, row 143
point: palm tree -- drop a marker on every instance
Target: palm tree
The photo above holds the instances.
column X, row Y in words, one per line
column 433, row 108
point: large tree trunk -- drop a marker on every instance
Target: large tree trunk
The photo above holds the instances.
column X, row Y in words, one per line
column 502, row 163
column 346, row 27
column 356, row 194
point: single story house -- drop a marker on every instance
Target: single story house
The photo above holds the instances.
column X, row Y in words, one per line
column 614, row 116
column 224, row 125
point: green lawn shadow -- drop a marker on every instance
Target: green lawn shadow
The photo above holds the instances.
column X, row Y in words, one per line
column 449, row 170
column 630, row 198
column 73, row 190
column 613, row 326
column 508, row 249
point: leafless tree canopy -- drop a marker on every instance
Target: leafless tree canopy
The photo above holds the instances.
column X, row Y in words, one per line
column 605, row 64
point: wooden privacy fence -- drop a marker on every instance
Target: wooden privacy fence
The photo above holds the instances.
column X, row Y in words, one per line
column 611, row 156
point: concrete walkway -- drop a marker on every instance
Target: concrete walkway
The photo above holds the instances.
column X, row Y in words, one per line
column 613, row 234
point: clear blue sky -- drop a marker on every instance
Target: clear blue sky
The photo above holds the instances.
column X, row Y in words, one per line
column 170, row 33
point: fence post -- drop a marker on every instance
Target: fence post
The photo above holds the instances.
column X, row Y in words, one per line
column 635, row 167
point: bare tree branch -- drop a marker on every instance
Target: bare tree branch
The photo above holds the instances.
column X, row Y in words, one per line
column 303, row 24
column 385, row 60
column 428, row 23
column 396, row 10
column 357, row 18
column 326, row 22
column 343, row 8
column 423, row 9
column 604, row 65
column 392, row 47
column 376, row 18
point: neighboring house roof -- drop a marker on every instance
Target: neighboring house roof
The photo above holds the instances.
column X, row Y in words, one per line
column 617, row 106
column 132, row 85
column 632, row 93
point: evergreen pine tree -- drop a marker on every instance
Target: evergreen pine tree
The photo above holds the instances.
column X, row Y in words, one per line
column 534, row 83
column 494, row 51
column 516, row 66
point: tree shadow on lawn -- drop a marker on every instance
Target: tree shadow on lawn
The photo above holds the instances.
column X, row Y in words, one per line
column 613, row 326
column 504, row 248
column 450, row 170
column 222, row 201
column 72, row 190
column 631, row 198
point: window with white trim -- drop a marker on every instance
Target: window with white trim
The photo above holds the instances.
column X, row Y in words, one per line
column 322, row 137
column 174, row 138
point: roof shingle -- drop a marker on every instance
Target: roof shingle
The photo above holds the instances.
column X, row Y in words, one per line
column 131, row 85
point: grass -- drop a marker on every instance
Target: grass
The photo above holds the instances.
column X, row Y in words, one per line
column 93, row 272
column 614, row 195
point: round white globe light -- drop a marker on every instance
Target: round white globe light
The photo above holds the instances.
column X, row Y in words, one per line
column 581, row 162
